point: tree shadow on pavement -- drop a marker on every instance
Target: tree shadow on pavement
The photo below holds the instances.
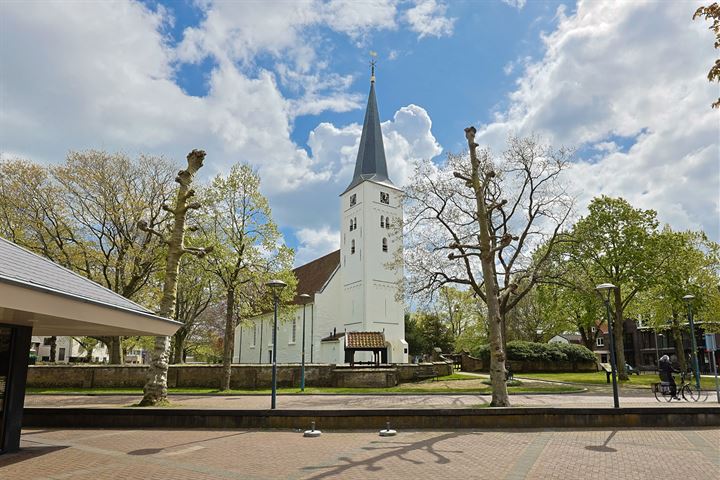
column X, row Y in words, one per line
column 603, row 448
column 389, row 449
column 153, row 451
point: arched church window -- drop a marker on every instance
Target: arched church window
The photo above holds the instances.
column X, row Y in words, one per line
column 382, row 221
column 387, row 222
column 384, row 244
column 355, row 223
column 351, row 225
column 352, row 246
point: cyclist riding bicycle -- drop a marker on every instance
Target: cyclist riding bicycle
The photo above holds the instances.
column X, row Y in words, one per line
column 666, row 370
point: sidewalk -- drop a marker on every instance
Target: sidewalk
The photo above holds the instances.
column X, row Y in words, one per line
column 253, row 402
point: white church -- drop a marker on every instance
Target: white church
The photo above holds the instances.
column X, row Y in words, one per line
column 353, row 315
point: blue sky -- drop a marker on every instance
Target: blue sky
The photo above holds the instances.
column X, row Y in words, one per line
column 282, row 85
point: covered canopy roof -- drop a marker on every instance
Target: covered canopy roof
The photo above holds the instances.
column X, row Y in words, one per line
column 365, row 340
column 56, row 301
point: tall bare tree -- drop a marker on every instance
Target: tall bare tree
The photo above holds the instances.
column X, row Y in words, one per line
column 478, row 223
column 155, row 391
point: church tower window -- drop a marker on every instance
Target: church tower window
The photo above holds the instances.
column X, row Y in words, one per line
column 384, row 245
column 387, row 222
column 382, row 221
column 353, row 199
column 385, row 198
column 352, row 247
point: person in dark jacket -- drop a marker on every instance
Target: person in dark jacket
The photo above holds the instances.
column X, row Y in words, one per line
column 666, row 370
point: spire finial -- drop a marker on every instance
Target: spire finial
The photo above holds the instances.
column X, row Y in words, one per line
column 372, row 66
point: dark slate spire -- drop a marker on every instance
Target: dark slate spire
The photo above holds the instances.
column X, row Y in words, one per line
column 370, row 163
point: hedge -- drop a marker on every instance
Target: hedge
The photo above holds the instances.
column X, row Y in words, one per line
column 550, row 352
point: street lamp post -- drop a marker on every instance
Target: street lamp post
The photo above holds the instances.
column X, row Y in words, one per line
column 613, row 365
column 304, row 299
column 688, row 299
column 276, row 286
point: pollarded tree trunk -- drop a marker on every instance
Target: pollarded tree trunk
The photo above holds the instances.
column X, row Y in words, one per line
column 500, row 396
column 229, row 339
column 155, row 390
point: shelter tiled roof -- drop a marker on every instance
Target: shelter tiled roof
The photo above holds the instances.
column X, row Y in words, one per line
column 365, row 340
column 20, row 266
column 313, row 276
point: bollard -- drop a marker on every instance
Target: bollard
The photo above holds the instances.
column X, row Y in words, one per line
column 312, row 432
column 388, row 432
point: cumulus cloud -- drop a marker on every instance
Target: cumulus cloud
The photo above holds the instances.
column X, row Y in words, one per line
column 315, row 243
column 103, row 75
column 428, row 18
column 633, row 71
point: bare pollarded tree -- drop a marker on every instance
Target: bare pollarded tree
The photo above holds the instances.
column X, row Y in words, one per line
column 478, row 221
column 155, row 390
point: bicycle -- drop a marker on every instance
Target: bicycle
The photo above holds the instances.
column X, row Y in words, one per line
column 689, row 392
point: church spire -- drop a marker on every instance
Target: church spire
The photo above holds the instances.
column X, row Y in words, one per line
column 370, row 163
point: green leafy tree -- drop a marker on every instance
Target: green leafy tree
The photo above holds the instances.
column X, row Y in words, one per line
column 619, row 244
column 691, row 269
column 247, row 252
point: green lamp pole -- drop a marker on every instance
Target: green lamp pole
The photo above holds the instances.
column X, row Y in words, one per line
column 688, row 300
column 613, row 365
column 276, row 286
column 304, row 299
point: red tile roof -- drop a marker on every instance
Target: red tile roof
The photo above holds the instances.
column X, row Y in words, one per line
column 314, row 275
column 365, row 340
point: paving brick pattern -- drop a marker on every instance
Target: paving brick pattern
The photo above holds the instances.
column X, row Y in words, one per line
column 467, row 454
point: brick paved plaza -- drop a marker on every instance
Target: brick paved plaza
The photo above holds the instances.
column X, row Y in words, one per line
column 236, row 454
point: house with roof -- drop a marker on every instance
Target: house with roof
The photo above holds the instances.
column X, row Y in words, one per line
column 352, row 290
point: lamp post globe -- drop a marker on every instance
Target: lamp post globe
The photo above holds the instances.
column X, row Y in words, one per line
column 304, row 300
column 696, row 366
column 607, row 288
column 276, row 287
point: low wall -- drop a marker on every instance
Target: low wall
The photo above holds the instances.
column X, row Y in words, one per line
column 473, row 364
column 243, row 376
column 542, row 417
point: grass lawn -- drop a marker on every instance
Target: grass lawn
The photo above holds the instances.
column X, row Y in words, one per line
column 599, row 378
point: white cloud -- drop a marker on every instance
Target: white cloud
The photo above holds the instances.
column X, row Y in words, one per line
column 102, row 75
column 315, row 243
column 519, row 4
column 428, row 18
column 629, row 72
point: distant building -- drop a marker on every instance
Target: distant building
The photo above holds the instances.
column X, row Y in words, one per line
column 573, row 338
column 67, row 350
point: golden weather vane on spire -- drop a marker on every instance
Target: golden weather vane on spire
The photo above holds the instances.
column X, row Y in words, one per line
column 372, row 65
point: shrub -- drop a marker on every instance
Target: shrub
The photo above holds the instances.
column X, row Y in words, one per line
column 549, row 352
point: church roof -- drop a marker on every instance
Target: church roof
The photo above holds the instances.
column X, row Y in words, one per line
column 370, row 163
column 313, row 276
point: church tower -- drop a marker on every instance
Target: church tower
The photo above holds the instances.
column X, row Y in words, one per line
column 370, row 215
